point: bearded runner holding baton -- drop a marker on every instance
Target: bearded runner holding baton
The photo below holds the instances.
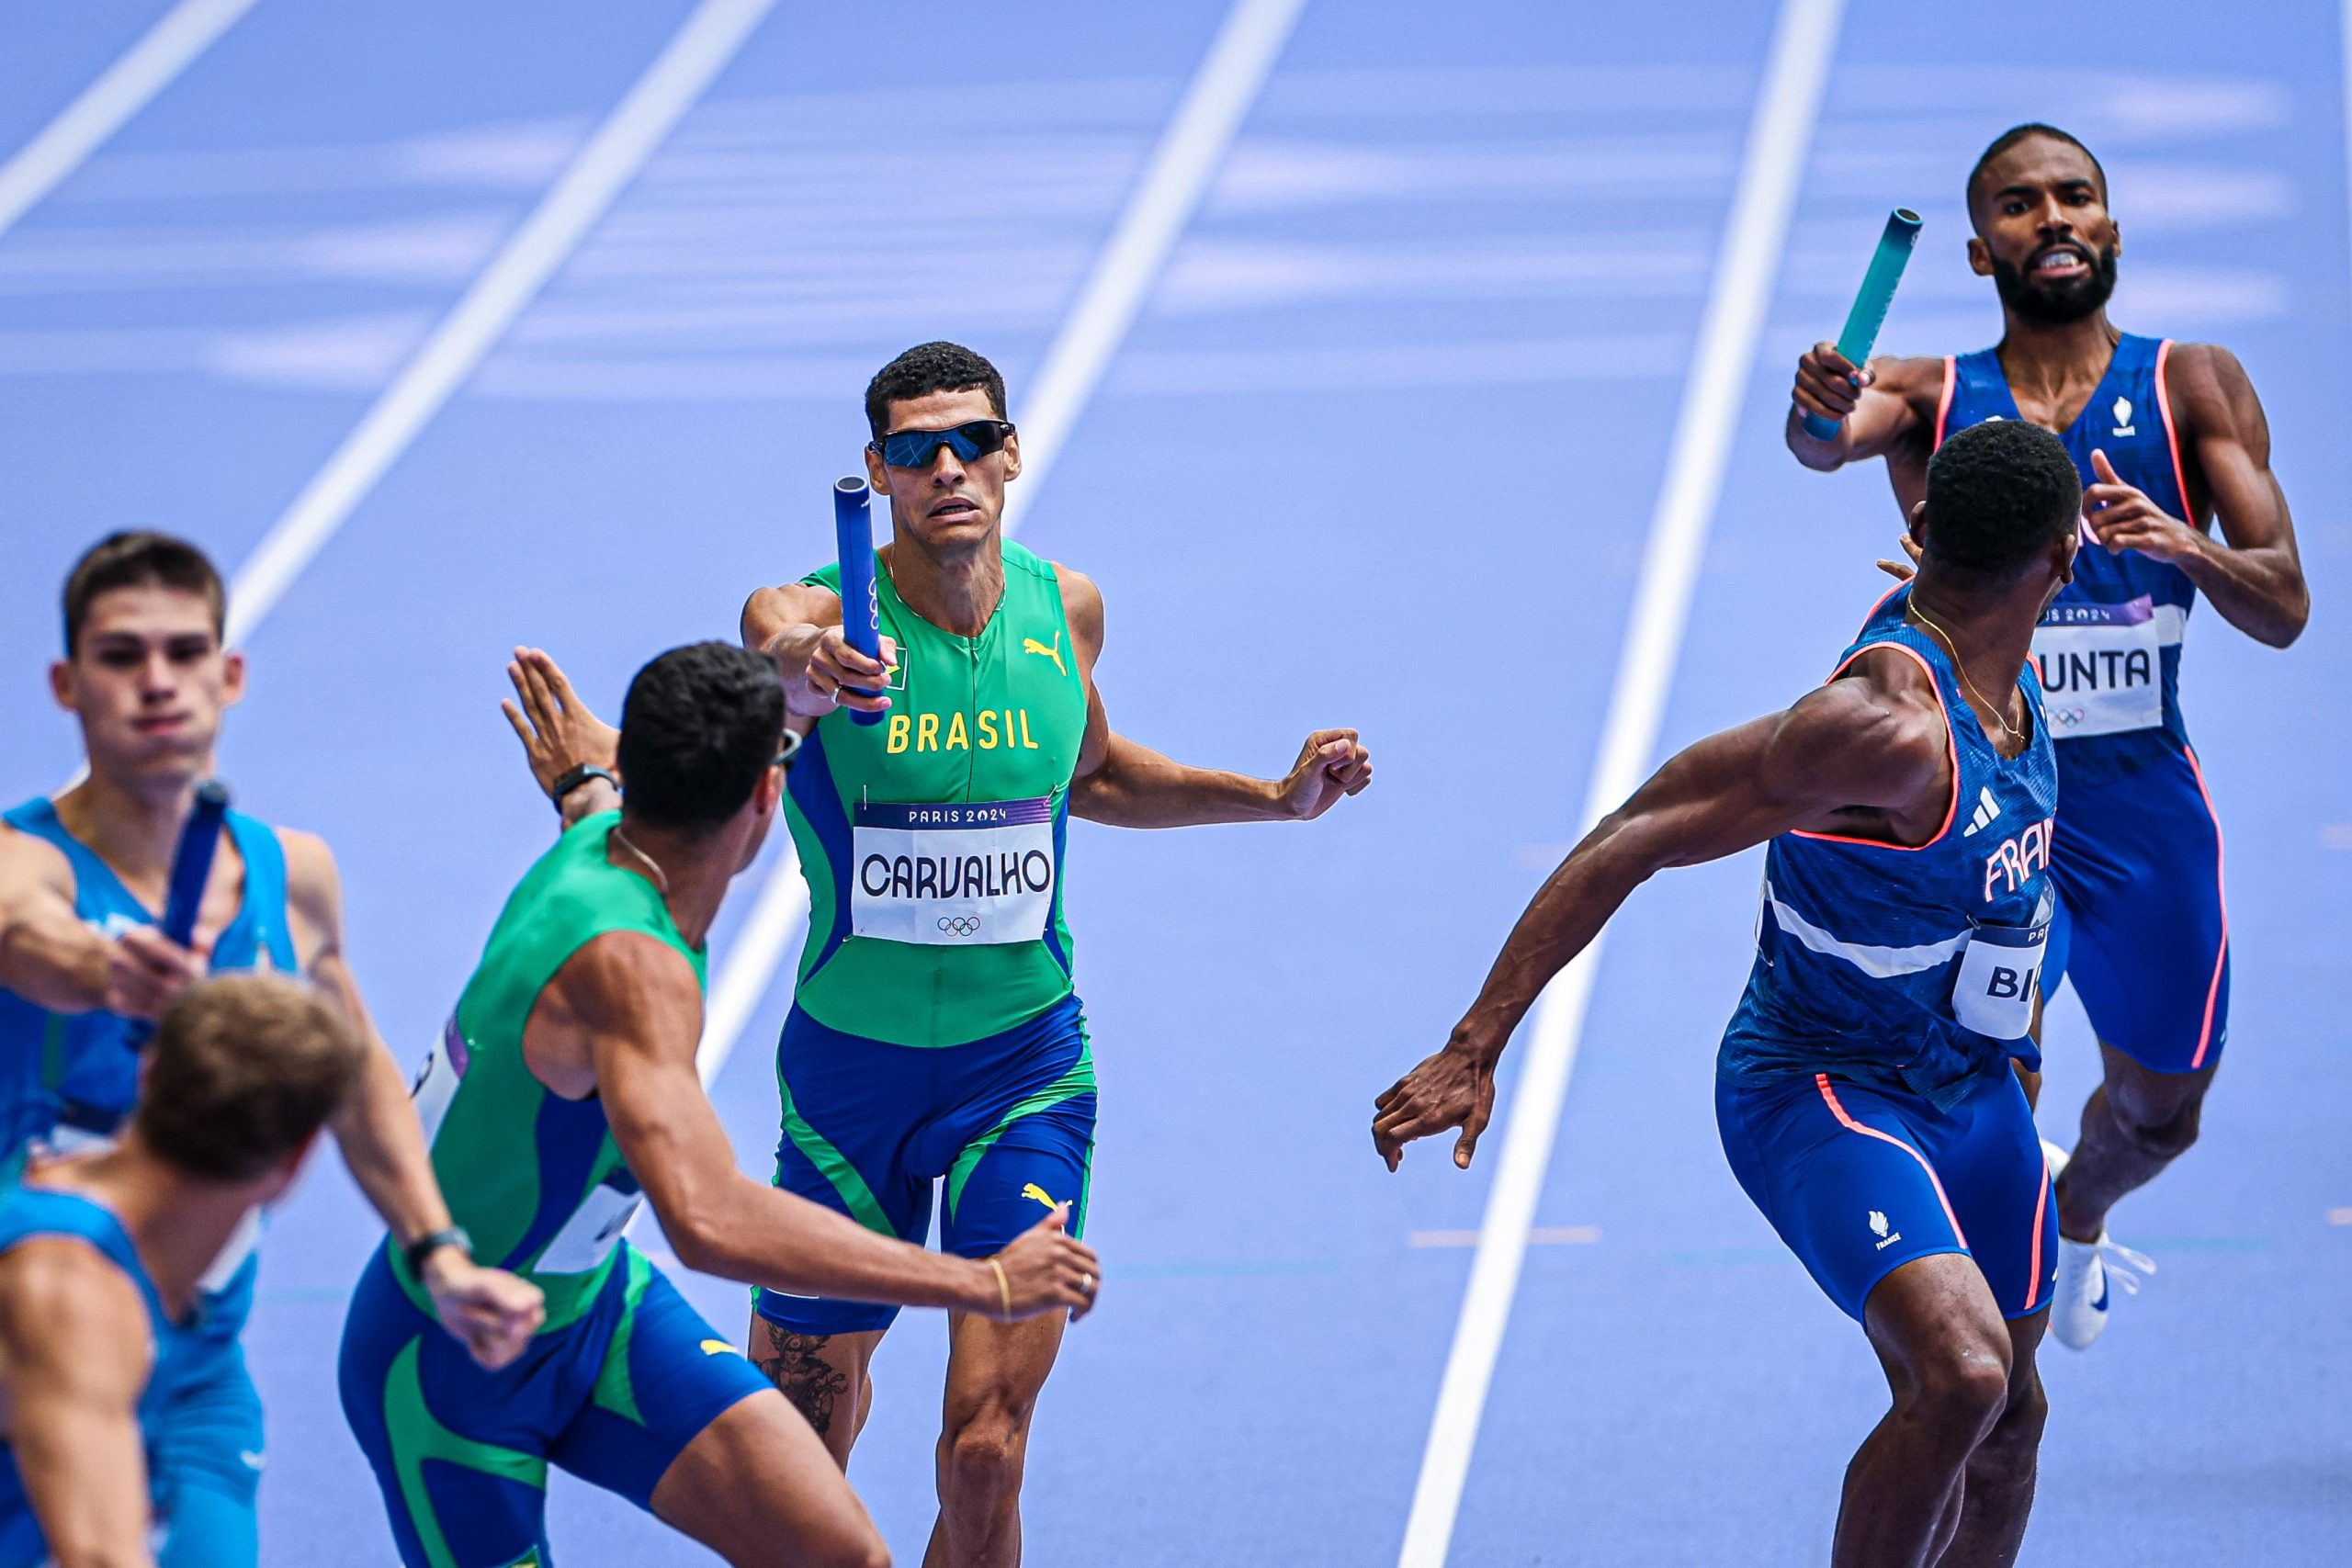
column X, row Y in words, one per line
column 2168, row 438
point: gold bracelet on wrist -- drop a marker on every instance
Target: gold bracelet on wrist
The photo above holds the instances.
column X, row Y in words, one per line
column 1003, row 1290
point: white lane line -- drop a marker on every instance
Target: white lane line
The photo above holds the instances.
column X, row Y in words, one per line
column 128, row 85
column 1230, row 79
column 1780, row 136
column 596, row 175
column 1227, row 82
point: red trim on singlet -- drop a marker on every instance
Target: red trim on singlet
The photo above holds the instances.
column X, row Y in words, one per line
column 1821, row 1081
column 2041, row 1207
column 2213, row 992
column 1951, row 743
column 1943, row 403
column 2172, row 434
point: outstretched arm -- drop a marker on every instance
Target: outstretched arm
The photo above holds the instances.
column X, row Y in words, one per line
column 58, row 961
column 1850, row 757
column 1876, row 407
column 74, row 1355
column 2253, row 573
column 494, row 1312
column 635, row 1002
column 1127, row 785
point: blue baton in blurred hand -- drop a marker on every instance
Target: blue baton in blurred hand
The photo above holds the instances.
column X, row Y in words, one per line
column 861, row 615
column 191, row 869
column 1868, row 313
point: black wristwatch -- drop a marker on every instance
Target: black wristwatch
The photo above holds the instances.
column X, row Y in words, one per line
column 425, row 1246
column 571, row 778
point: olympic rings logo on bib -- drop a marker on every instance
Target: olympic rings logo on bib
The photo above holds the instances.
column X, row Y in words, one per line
column 960, row 925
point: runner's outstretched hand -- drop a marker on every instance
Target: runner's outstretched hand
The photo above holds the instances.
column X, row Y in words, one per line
column 1046, row 1268
column 556, row 729
column 1453, row 1088
column 1333, row 763
column 491, row 1310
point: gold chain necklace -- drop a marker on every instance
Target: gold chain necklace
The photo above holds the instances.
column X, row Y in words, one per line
column 2000, row 712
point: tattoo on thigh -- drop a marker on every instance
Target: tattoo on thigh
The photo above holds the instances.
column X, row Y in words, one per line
column 796, row 1364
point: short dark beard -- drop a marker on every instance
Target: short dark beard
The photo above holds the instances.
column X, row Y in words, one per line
column 2063, row 304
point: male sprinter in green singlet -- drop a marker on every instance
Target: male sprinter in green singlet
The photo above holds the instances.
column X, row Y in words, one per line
column 564, row 1092
column 936, row 1035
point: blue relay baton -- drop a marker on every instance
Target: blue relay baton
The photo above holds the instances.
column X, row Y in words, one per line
column 861, row 612
column 191, row 870
column 1862, row 323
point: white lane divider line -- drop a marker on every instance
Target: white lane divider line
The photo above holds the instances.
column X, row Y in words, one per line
column 107, row 105
column 1188, row 152
column 580, row 195
column 1780, row 136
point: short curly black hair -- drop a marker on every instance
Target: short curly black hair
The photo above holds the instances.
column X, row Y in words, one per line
column 698, row 728
column 925, row 368
column 1998, row 494
column 2027, row 132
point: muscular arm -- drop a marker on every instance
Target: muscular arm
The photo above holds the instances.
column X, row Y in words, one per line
column 633, row 1003
column 377, row 1127
column 74, row 1355
column 52, row 957
column 48, row 954
column 2253, row 573
column 1127, row 785
column 1894, row 408
column 1859, row 755
column 382, row 1144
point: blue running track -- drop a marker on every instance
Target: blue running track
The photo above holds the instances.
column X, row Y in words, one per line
column 1381, row 450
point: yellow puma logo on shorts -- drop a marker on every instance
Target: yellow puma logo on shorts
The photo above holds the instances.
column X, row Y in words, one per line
column 1031, row 645
column 1039, row 1194
column 718, row 1348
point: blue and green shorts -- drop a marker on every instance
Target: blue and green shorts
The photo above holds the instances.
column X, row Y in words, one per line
column 462, row 1454
column 1005, row 1126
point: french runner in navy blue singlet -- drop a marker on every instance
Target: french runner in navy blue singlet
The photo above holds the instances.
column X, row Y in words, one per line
column 1863, row 1086
column 2170, row 439
column 81, row 876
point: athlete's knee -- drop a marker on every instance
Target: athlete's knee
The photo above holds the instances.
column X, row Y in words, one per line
column 984, row 1445
column 861, row 1549
column 2161, row 1122
column 1960, row 1387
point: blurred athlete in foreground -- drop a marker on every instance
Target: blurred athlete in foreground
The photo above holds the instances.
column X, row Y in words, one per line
column 2168, row 438
column 82, row 880
column 564, row 1093
column 1863, row 1087
column 100, row 1255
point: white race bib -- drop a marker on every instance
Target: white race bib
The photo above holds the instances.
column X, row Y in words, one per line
column 436, row 1082
column 962, row 874
column 595, row 1229
column 2000, row 972
column 2102, row 668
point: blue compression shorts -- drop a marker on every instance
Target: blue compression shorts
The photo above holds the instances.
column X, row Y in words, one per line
column 2141, row 930
column 1006, row 1123
column 461, row 1454
column 1859, row 1180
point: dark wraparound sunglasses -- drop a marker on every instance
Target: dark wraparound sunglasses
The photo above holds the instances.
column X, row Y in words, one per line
column 791, row 750
column 916, row 448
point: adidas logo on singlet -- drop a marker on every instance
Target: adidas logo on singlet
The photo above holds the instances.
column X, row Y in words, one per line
column 1986, row 810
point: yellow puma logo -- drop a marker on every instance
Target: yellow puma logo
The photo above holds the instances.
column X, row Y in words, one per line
column 1031, row 645
column 718, row 1347
column 1039, row 1194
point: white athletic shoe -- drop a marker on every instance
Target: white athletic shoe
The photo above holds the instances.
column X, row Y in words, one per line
column 2056, row 1157
column 2085, row 1271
